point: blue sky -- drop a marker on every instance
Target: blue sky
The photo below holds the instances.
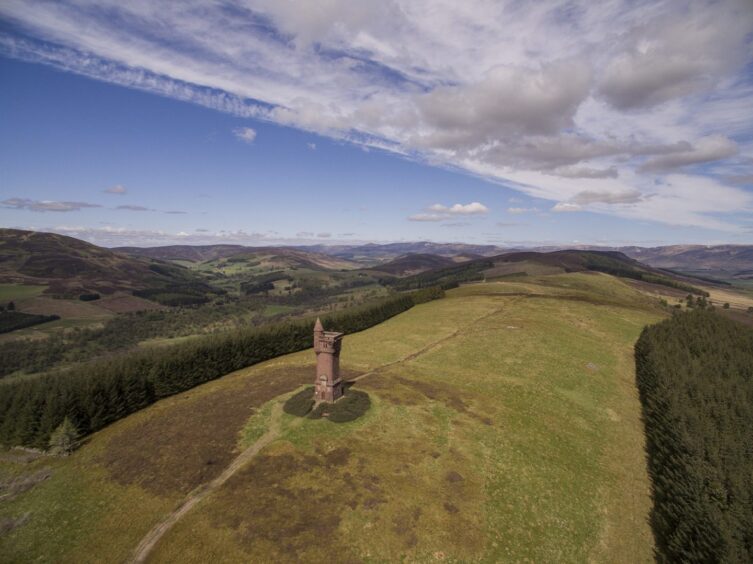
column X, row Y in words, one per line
column 270, row 125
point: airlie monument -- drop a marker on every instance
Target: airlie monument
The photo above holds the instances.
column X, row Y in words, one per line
column 328, row 386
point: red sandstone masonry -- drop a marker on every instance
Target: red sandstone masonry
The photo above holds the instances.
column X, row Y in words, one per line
column 328, row 385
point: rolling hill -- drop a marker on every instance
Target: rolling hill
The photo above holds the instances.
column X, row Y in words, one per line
column 510, row 431
column 376, row 253
column 194, row 253
column 69, row 267
column 277, row 258
column 537, row 263
column 721, row 261
column 414, row 263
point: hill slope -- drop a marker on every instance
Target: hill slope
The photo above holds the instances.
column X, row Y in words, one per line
column 69, row 266
column 510, row 431
column 724, row 261
column 537, row 263
column 376, row 253
column 195, row 253
column 280, row 258
column 414, row 264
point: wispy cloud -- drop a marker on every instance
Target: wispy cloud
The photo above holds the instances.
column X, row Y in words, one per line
column 707, row 150
column 117, row 190
column 551, row 100
column 519, row 210
column 128, row 207
column 427, row 217
column 45, row 205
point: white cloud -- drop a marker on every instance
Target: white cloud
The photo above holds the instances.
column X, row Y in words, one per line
column 673, row 55
column 440, row 212
column 474, row 208
column 245, row 134
column 117, row 190
column 553, row 100
column 311, row 146
column 566, row 207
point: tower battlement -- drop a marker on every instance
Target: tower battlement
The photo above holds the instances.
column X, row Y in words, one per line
column 328, row 384
column 328, row 341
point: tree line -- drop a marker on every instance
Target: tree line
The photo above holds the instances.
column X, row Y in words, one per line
column 695, row 377
column 11, row 320
column 602, row 262
column 95, row 394
column 448, row 277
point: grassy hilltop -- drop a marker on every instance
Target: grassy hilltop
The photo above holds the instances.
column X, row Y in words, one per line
column 504, row 426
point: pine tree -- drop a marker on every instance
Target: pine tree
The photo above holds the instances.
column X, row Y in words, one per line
column 63, row 439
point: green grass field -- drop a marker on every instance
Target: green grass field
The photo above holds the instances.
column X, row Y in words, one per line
column 504, row 426
column 18, row 293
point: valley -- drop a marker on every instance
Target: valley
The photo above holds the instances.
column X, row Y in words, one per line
column 167, row 295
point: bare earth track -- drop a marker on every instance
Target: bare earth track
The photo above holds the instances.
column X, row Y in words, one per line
column 152, row 538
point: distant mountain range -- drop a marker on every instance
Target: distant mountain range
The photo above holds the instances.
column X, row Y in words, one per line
column 286, row 257
column 390, row 251
column 720, row 261
column 70, row 266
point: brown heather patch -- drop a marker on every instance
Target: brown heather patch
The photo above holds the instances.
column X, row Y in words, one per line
column 447, row 394
column 285, row 505
column 192, row 441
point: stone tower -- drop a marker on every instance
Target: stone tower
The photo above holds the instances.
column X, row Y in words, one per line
column 328, row 386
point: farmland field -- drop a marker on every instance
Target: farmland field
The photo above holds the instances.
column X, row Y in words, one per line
column 504, row 426
column 19, row 292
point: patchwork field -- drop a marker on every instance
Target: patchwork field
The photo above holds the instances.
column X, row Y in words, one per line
column 504, row 426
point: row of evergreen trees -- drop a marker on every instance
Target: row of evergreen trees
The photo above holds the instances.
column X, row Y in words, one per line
column 95, row 394
column 448, row 277
column 695, row 376
column 13, row 320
